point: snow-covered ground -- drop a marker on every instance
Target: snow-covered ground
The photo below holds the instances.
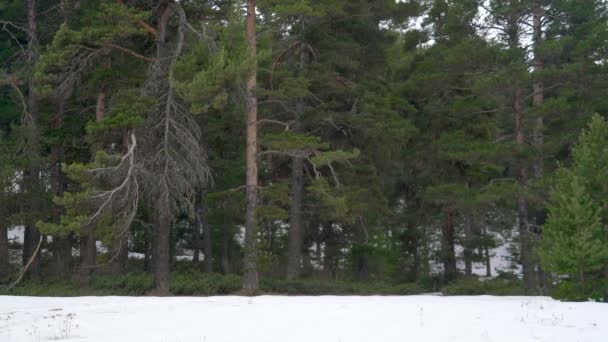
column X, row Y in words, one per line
column 305, row 319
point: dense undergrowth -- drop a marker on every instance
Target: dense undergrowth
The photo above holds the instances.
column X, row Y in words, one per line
column 189, row 283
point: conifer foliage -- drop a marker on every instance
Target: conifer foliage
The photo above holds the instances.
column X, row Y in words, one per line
column 294, row 140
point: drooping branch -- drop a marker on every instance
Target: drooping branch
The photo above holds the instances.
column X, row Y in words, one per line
column 151, row 30
column 124, row 196
column 131, row 52
column 287, row 124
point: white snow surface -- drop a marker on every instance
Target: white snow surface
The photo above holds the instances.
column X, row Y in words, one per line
column 301, row 319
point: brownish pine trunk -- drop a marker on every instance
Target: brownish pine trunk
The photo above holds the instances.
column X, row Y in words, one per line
column 539, row 126
column 32, row 175
column 120, row 245
column 226, row 237
column 486, row 252
column 207, row 241
column 161, row 254
column 522, row 204
column 447, row 242
column 250, row 277
column 468, row 245
column 538, row 89
column 62, row 245
column 202, row 225
column 196, row 232
column 294, row 247
column 4, row 253
column 162, row 234
column 88, row 247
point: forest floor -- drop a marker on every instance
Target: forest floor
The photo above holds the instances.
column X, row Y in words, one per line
column 295, row 319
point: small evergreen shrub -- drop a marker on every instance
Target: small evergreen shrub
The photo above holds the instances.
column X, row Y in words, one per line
column 472, row 286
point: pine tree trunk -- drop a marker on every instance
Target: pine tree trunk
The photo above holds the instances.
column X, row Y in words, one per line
column 486, row 252
column 120, row 245
column 147, row 255
column 163, row 217
column 294, row 247
column 522, row 204
column 539, row 126
column 226, row 251
column 161, row 254
column 88, row 246
column 449, row 256
column 207, row 241
column 196, row 232
column 538, row 89
column 32, row 174
column 4, row 253
column 330, row 255
column 250, row 277
column 415, row 268
column 468, row 245
column 202, row 224
column 62, row 245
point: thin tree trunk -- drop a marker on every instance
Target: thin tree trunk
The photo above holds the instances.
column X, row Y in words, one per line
column 202, row 224
column 486, row 252
column 120, row 244
column 147, row 255
column 294, row 247
column 226, row 251
column 88, row 247
column 161, row 254
column 538, row 89
column 468, row 245
column 330, row 255
column 4, row 253
column 250, row 278
column 32, row 175
column 449, row 256
column 522, row 204
column 415, row 269
column 539, row 126
column 62, row 245
column 606, row 268
column 196, row 232
column 162, row 236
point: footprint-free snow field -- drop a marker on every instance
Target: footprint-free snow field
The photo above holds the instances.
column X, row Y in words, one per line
column 300, row 319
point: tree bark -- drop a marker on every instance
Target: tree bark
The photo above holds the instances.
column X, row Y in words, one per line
column 4, row 253
column 120, row 245
column 32, row 175
column 202, row 225
column 161, row 254
column 226, row 237
column 449, row 256
column 162, row 236
column 62, row 244
column 539, row 126
column 294, row 247
column 196, row 232
column 250, row 278
column 88, row 246
column 207, row 241
column 486, row 252
column 538, row 89
column 147, row 255
column 468, row 245
column 522, row 204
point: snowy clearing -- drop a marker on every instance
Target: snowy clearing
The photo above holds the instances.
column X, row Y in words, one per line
column 294, row 319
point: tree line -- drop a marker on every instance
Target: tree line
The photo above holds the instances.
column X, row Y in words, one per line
column 345, row 139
